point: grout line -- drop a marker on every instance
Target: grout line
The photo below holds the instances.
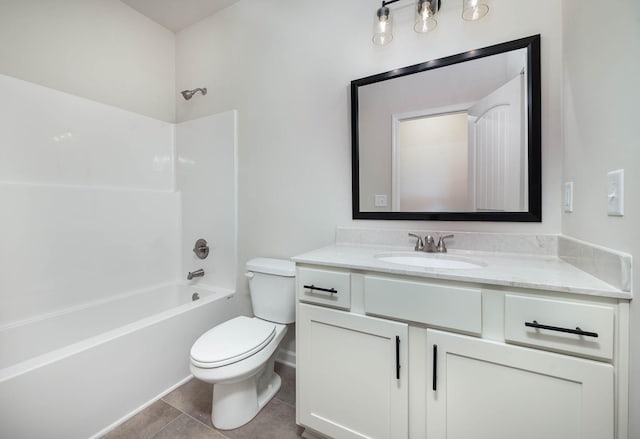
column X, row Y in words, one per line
column 206, row 425
column 167, row 402
column 285, row 402
column 172, row 421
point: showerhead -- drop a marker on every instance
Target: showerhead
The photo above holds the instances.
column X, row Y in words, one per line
column 188, row 94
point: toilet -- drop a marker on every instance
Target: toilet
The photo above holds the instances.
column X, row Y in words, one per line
column 238, row 356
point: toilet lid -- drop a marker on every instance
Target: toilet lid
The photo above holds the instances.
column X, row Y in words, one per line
column 231, row 341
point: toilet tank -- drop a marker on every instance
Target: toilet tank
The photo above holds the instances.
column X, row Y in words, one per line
column 272, row 285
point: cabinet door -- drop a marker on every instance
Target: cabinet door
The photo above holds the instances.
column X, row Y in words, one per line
column 352, row 374
column 487, row 390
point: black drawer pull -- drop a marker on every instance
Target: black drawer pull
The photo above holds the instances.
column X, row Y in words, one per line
column 397, row 357
column 577, row 331
column 434, row 378
column 326, row 290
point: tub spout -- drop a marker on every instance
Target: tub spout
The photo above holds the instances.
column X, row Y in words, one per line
column 197, row 273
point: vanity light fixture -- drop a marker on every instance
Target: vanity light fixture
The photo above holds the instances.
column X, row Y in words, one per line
column 425, row 20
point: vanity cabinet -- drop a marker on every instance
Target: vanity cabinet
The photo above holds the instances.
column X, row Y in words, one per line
column 482, row 389
column 352, row 374
column 409, row 357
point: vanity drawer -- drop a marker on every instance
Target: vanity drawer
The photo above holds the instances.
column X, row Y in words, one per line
column 324, row 287
column 541, row 322
column 451, row 307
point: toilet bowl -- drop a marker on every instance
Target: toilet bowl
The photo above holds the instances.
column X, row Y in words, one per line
column 238, row 356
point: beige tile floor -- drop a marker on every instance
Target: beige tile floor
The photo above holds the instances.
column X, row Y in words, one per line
column 185, row 413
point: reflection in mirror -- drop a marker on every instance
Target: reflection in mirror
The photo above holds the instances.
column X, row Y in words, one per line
column 415, row 141
column 456, row 138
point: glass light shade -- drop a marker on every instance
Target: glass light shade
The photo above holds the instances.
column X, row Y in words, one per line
column 473, row 10
column 425, row 20
column 383, row 27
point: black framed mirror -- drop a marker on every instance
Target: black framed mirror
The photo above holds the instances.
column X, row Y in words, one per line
column 452, row 139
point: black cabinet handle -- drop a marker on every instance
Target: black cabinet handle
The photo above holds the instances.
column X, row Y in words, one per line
column 577, row 331
column 435, row 368
column 397, row 357
column 326, row 290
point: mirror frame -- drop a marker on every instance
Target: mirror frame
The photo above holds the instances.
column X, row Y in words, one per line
column 533, row 106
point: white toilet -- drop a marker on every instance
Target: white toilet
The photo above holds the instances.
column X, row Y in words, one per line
column 238, row 356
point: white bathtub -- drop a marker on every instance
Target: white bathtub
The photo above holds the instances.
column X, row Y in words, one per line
column 76, row 373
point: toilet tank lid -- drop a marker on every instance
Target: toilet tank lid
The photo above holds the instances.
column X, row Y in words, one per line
column 279, row 267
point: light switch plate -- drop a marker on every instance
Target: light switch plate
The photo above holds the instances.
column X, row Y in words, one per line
column 615, row 193
column 381, row 201
column 567, row 203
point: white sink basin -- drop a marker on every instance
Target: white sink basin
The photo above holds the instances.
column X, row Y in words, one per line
column 430, row 260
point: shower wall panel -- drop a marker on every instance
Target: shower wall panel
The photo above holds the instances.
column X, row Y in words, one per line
column 88, row 201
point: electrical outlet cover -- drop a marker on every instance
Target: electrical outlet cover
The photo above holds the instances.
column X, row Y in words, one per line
column 567, row 203
column 381, row 201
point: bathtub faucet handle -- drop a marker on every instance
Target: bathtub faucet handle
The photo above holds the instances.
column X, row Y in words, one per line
column 201, row 249
column 197, row 273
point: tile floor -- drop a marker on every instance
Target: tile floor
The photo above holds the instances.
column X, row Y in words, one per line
column 185, row 413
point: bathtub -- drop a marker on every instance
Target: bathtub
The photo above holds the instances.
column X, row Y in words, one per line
column 79, row 372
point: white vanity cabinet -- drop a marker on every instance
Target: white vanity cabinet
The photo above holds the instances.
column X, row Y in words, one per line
column 476, row 361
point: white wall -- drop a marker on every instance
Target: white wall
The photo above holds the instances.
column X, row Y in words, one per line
column 425, row 184
column 286, row 65
column 98, row 49
column 206, row 168
column 600, row 134
column 88, row 202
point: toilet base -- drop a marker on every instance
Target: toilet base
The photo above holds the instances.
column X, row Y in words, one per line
column 235, row 404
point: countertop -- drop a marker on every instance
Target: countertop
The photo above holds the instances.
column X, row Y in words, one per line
column 515, row 270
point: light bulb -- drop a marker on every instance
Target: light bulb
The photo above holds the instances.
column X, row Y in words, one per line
column 473, row 10
column 383, row 27
column 425, row 20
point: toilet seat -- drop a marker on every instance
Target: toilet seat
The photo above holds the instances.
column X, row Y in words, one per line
column 231, row 341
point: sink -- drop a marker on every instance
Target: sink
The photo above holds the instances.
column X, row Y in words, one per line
column 430, row 260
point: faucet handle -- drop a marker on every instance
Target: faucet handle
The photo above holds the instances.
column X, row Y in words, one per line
column 442, row 247
column 419, row 242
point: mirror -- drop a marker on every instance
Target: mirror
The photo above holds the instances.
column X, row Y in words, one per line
column 457, row 138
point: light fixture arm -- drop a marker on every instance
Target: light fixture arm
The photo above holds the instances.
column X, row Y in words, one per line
column 433, row 7
column 437, row 3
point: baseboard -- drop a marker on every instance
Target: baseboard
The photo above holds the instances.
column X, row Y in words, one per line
column 286, row 357
column 137, row 410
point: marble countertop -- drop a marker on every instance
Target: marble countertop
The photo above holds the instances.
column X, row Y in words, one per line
column 515, row 270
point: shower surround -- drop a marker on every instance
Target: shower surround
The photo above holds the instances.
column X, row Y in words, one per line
column 99, row 203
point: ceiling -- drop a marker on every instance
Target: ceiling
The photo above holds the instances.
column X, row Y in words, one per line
column 178, row 14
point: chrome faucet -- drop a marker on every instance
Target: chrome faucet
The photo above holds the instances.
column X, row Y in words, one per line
column 428, row 244
column 197, row 273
